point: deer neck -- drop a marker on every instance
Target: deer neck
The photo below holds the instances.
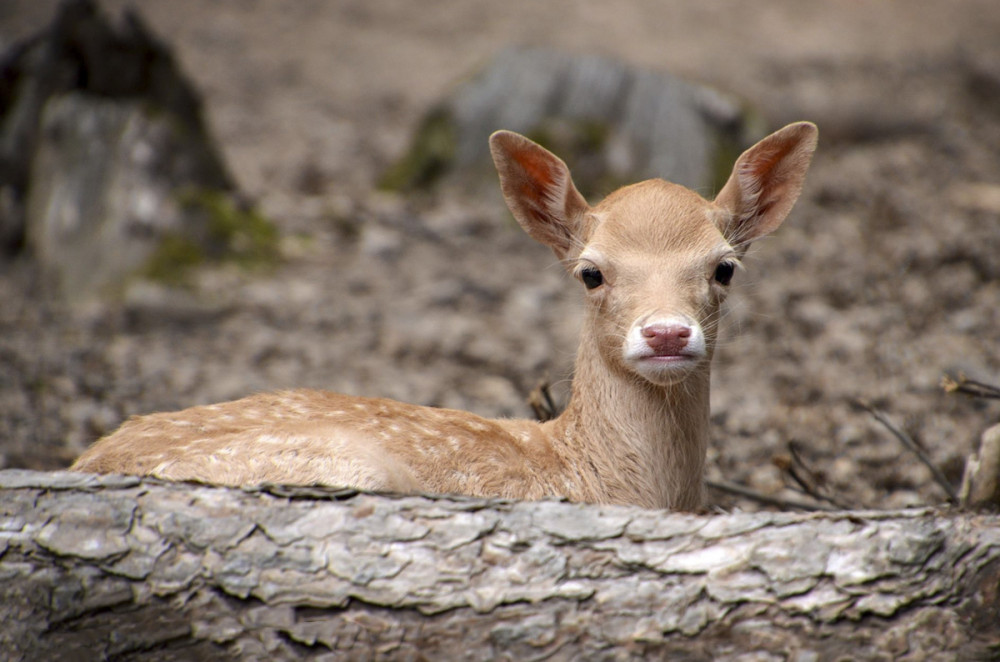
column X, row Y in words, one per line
column 643, row 443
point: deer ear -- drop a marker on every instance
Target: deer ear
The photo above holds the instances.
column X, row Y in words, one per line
column 539, row 191
column 766, row 182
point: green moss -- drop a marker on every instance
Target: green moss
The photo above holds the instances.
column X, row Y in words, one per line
column 582, row 144
column 173, row 259
column 571, row 136
column 220, row 230
column 726, row 150
column 235, row 232
column 729, row 144
column 431, row 155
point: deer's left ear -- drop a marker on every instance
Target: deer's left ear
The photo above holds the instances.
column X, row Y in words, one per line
column 539, row 191
column 766, row 182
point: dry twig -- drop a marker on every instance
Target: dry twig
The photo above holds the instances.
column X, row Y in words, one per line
column 970, row 387
column 794, row 465
column 913, row 447
column 754, row 495
column 541, row 402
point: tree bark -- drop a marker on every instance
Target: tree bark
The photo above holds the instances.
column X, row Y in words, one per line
column 121, row 568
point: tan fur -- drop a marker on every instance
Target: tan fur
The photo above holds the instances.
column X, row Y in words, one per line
column 633, row 433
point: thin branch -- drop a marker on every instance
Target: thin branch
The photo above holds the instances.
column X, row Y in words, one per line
column 540, row 400
column 970, row 387
column 743, row 491
column 796, row 468
column 914, row 448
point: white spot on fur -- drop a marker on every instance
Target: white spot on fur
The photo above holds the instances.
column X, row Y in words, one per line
column 424, row 431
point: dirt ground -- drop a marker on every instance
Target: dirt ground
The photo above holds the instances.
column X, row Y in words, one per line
column 884, row 278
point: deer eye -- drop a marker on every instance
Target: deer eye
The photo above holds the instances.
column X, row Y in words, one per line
column 591, row 277
column 724, row 272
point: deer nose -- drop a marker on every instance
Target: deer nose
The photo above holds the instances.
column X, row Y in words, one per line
column 666, row 339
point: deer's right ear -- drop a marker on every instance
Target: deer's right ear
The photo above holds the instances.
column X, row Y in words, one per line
column 539, row 191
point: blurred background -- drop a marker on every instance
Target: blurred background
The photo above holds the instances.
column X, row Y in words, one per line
column 362, row 254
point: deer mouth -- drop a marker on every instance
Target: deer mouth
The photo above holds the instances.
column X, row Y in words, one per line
column 665, row 369
column 669, row 359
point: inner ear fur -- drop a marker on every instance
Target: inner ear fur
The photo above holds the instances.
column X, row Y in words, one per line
column 766, row 181
column 539, row 191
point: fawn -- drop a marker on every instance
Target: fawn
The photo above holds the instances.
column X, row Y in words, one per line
column 656, row 261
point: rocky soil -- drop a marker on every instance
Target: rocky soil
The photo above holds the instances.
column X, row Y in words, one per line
column 885, row 277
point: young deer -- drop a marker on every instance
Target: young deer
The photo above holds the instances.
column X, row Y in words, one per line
column 656, row 260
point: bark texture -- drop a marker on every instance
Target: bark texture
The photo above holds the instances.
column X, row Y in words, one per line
column 122, row 568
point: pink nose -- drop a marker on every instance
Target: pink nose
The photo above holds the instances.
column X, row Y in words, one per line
column 666, row 339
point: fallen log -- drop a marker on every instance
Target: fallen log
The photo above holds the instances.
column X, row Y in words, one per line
column 112, row 567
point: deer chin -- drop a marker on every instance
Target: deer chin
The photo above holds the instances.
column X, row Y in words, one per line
column 665, row 370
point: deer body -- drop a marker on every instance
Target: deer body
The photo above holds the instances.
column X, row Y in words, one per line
column 655, row 259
